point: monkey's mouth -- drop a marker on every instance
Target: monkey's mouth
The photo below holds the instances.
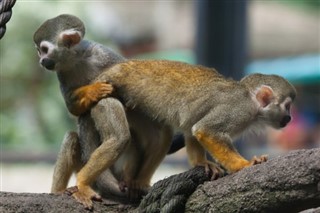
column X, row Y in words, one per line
column 285, row 120
column 48, row 64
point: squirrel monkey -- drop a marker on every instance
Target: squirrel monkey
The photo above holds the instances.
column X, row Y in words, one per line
column 209, row 109
column 117, row 160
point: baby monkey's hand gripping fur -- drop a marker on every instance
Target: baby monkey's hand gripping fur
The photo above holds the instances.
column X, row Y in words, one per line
column 209, row 109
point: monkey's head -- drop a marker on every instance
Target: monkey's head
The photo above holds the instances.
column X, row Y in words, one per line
column 56, row 41
column 274, row 96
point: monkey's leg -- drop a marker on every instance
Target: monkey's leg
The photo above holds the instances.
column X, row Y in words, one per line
column 197, row 157
column 68, row 161
column 110, row 120
column 155, row 148
column 108, row 186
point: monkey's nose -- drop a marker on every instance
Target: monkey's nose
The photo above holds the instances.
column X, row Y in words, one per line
column 48, row 63
column 285, row 120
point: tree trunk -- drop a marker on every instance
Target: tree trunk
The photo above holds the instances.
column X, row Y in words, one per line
column 288, row 183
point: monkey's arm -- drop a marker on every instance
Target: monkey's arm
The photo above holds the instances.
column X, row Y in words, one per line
column 215, row 137
column 83, row 98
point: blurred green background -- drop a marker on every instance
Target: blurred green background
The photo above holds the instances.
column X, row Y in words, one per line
column 33, row 116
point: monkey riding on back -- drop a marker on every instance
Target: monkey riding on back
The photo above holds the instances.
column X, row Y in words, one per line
column 209, row 109
column 115, row 151
column 152, row 98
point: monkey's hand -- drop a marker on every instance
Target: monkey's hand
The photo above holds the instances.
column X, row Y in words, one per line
column 258, row 160
column 84, row 195
column 213, row 170
column 242, row 163
column 83, row 98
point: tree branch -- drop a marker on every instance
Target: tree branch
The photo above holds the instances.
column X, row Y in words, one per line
column 288, row 183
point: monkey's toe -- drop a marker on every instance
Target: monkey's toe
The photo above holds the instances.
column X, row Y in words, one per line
column 213, row 170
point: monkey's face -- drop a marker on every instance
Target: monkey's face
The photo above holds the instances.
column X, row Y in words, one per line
column 55, row 58
column 277, row 114
column 46, row 55
column 59, row 56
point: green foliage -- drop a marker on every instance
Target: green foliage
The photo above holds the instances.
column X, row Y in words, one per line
column 32, row 111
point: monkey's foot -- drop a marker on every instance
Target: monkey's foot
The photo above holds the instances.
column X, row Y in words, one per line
column 84, row 195
column 213, row 170
column 258, row 160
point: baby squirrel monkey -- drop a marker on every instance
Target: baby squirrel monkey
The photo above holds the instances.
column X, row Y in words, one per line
column 114, row 151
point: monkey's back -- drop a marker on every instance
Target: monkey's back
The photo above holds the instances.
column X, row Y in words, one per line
column 175, row 92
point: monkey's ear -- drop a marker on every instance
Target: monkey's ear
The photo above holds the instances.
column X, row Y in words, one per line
column 69, row 38
column 264, row 95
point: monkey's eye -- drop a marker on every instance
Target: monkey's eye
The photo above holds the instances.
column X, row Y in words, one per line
column 287, row 106
column 44, row 49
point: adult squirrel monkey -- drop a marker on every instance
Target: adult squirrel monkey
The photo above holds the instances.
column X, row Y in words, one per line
column 121, row 157
column 209, row 109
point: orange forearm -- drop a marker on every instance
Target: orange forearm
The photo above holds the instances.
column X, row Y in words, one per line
column 83, row 98
column 222, row 151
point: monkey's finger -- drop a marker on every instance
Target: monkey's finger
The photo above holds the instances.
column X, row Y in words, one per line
column 216, row 174
column 102, row 92
column 213, row 170
column 208, row 170
column 258, row 160
column 264, row 158
column 105, row 85
column 71, row 190
column 88, row 206
column 96, row 197
column 84, row 200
